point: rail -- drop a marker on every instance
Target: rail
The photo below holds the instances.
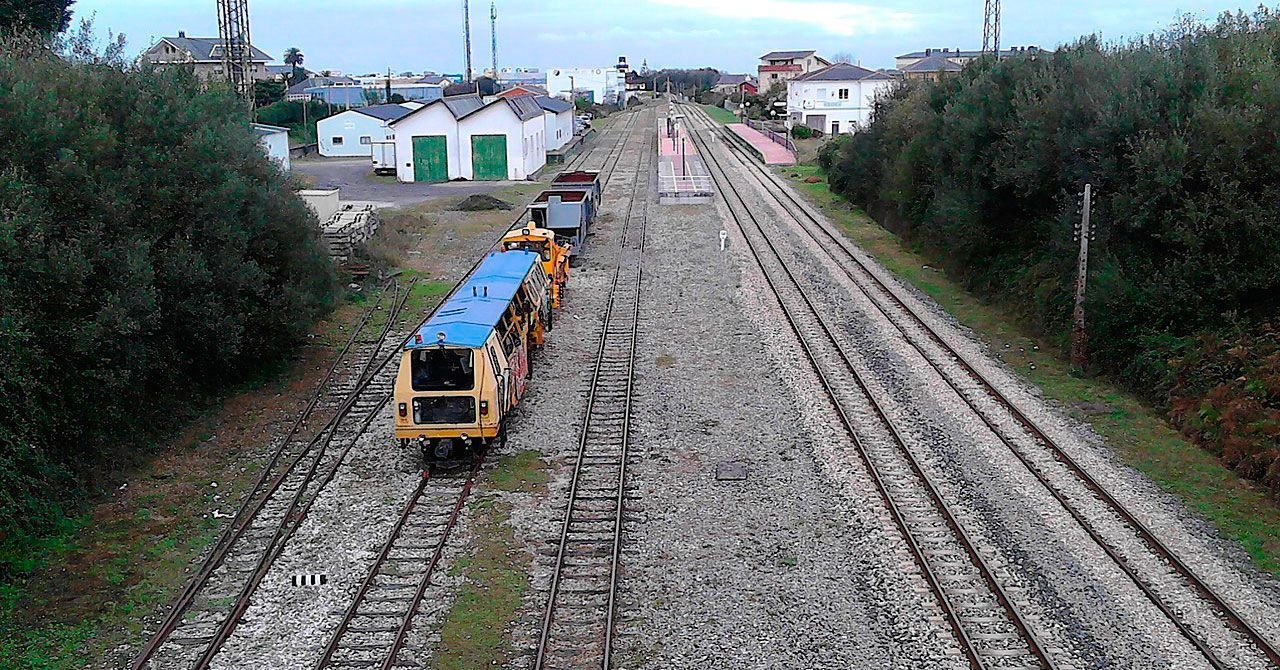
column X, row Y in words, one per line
column 779, row 190
column 777, row 137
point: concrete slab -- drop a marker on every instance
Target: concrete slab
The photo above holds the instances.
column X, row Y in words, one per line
column 774, row 153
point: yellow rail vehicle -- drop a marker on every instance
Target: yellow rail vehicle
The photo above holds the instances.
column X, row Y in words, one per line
column 555, row 256
column 467, row 367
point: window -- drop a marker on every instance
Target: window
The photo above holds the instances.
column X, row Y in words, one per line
column 337, row 141
column 442, row 370
column 774, row 75
column 365, row 139
column 447, row 409
column 843, row 94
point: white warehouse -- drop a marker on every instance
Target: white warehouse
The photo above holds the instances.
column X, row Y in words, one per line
column 351, row 133
column 462, row 137
column 835, row 99
column 558, row 121
column 601, row 85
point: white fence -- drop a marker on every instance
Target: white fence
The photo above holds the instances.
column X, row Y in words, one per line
column 689, row 183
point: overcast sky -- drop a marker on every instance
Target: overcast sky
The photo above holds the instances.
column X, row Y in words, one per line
column 359, row 36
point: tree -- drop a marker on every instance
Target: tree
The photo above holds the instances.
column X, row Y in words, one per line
column 166, row 240
column 396, row 98
column 47, row 17
column 842, row 57
column 293, row 57
column 267, row 91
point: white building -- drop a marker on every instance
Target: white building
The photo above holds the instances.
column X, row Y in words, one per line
column 275, row 141
column 835, row 99
column 462, row 137
column 557, row 121
column 351, row 133
column 602, row 85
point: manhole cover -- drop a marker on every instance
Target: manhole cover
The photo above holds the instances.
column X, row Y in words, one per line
column 731, row 472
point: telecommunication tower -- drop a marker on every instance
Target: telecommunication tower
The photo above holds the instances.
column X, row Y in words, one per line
column 493, row 34
column 233, row 31
column 466, row 40
column 991, row 28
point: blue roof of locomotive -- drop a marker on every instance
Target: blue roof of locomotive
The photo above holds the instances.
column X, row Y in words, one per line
column 470, row 314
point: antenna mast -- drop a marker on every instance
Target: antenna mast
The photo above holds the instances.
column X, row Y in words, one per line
column 233, row 32
column 991, row 28
column 493, row 33
column 466, row 40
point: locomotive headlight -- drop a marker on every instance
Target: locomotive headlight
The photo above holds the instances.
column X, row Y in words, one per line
column 404, row 410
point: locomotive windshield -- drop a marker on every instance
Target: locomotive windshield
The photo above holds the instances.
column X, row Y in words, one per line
column 442, row 370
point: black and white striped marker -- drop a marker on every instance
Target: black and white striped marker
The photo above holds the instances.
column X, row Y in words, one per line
column 310, row 580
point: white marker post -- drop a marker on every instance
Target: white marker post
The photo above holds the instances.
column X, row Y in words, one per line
column 724, row 235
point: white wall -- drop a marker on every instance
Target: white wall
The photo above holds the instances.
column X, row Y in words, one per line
column 277, row 147
column 436, row 119
column 601, row 81
column 526, row 141
column 810, row 98
column 350, row 126
column 561, row 123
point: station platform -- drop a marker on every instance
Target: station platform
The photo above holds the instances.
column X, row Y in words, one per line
column 774, row 153
column 682, row 176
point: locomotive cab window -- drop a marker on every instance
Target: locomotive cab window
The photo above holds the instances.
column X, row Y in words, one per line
column 443, row 370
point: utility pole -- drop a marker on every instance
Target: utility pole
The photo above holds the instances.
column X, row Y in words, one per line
column 493, row 34
column 466, row 40
column 388, row 100
column 1079, row 356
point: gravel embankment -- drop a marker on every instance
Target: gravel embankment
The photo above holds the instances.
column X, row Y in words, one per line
column 1086, row 604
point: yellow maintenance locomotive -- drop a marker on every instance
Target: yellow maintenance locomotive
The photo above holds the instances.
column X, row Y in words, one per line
column 467, row 367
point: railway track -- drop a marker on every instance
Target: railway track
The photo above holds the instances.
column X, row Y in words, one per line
column 1239, row 644
column 355, row 390
column 374, row 628
column 578, row 618
column 197, row 618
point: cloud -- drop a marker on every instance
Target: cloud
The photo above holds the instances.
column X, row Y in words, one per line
column 837, row 18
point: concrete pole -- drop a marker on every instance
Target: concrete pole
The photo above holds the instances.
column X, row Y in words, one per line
column 1079, row 356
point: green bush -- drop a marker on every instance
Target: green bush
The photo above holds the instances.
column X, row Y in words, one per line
column 150, row 255
column 1176, row 132
column 801, row 132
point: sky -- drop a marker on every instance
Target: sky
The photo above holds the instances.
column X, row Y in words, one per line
column 365, row 36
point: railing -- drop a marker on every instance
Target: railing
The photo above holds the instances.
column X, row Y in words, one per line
column 774, row 135
column 688, row 183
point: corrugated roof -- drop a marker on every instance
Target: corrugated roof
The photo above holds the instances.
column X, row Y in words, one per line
column 936, row 63
column 468, row 317
column 837, row 72
column 462, row 105
column 553, row 105
column 784, row 55
column 263, row 129
column 312, row 82
column 525, row 106
column 389, row 112
column 201, row 48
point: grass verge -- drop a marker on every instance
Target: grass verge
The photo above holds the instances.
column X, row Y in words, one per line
column 1137, row 432
column 476, row 630
column 720, row 114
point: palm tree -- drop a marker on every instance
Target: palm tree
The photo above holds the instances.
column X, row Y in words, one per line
column 293, row 56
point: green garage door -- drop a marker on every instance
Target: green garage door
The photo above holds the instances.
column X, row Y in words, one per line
column 430, row 158
column 489, row 157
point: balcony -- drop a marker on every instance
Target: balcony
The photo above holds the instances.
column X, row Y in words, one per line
column 781, row 68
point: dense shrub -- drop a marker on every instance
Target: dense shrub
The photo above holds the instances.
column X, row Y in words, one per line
column 1177, row 133
column 150, row 254
column 801, row 132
